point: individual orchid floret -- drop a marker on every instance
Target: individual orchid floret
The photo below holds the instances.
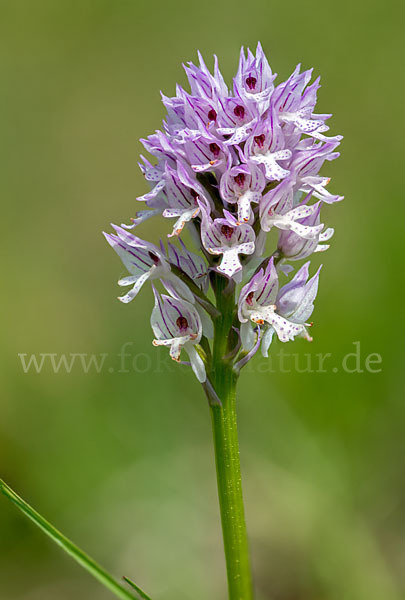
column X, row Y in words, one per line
column 288, row 95
column 243, row 185
column 306, row 165
column 177, row 324
column 181, row 192
column 254, row 79
column 206, row 154
column 284, row 311
column 237, row 120
column 187, row 116
column 227, row 237
column 295, row 247
column 175, row 121
column 205, row 112
column 190, row 263
column 156, row 207
column 317, row 185
column 160, row 146
column 295, row 105
column 266, row 146
column 155, row 175
column 277, row 210
column 295, row 300
column 154, row 199
column 202, row 83
column 144, row 261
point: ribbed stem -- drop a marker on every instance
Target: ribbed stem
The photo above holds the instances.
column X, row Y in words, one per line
column 226, row 445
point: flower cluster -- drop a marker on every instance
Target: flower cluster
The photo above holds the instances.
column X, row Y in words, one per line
column 229, row 167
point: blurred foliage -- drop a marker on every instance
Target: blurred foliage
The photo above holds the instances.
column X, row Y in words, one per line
column 122, row 462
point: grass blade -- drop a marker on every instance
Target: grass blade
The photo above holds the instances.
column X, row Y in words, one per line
column 68, row 546
column 142, row 594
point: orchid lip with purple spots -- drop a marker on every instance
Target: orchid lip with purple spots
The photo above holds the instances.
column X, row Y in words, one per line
column 243, row 184
column 228, row 237
column 232, row 167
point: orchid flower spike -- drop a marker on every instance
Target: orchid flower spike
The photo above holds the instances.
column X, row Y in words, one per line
column 233, row 168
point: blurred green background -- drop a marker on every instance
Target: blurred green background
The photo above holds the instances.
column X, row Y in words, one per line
column 123, row 462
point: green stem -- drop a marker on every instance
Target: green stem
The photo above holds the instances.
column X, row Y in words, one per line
column 225, row 433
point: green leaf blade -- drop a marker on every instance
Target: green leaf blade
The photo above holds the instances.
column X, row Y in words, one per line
column 141, row 593
column 70, row 548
